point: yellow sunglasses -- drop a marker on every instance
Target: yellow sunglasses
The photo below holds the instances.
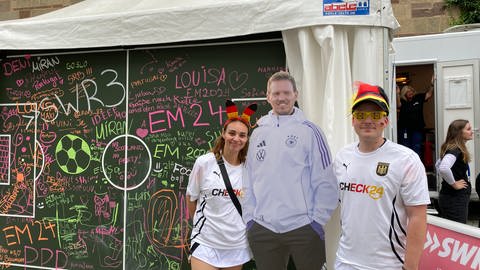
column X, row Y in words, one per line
column 375, row 115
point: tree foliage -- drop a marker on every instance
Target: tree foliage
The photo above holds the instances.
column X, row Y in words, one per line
column 469, row 10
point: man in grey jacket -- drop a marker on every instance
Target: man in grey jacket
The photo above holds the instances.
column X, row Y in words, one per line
column 289, row 187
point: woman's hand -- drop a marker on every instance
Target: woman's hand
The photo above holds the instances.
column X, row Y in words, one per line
column 460, row 184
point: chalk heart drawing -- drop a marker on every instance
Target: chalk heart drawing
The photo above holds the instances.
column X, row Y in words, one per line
column 237, row 80
column 142, row 132
column 20, row 82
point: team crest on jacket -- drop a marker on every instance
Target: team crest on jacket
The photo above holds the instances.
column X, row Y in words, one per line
column 382, row 168
column 291, row 140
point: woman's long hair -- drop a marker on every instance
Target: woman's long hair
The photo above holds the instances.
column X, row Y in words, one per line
column 455, row 139
column 220, row 143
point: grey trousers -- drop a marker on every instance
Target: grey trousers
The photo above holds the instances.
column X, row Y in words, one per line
column 271, row 251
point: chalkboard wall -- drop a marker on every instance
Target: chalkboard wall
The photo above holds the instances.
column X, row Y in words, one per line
column 96, row 149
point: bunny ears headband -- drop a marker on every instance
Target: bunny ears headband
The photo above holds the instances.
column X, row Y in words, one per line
column 232, row 113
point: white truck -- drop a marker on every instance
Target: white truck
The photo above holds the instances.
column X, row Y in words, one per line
column 453, row 58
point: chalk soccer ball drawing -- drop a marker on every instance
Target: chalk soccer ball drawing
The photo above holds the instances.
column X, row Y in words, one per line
column 72, row 154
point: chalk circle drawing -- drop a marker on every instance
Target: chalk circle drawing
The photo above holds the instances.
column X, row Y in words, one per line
column 125, row 165
column 39, row 153
column 72, row 154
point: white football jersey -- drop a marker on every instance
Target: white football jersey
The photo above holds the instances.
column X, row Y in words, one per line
column 374, row 190
column 216, row 222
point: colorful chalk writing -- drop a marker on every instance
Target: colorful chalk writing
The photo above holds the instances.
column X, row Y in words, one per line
column 96, row 151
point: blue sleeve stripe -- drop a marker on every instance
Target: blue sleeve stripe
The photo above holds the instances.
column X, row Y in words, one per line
column 322, row 143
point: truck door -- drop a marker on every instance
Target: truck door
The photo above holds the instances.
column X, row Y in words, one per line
column 458, row 98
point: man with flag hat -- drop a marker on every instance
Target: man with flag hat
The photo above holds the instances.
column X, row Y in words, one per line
column 383, row 193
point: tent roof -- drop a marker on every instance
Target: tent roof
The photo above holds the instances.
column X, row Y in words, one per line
column 107, row 23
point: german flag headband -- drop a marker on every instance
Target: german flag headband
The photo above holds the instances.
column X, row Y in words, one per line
column 371, row 93
column 232, row 113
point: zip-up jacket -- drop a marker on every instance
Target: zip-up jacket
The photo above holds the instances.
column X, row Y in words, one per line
column 289, row 181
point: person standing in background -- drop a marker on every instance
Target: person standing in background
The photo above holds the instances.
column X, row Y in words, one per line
column 453, row 168
column 290, row 189
column 383, row 193
column 411, row 122
column 219, row 239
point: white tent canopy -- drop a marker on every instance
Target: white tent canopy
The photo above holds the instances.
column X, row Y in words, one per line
column 104, row 23
column 326, row 54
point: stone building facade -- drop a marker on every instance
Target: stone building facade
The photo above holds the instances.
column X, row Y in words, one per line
column 416, row 17
column 19, row 9
column 419, row 17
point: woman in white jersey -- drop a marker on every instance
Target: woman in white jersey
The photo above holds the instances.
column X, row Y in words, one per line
column 218, row 239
